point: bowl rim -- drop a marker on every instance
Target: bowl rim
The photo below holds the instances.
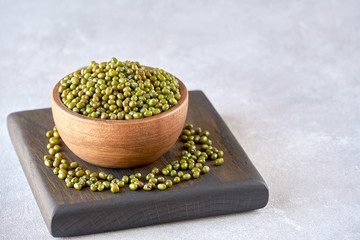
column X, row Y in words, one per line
column 55, row 95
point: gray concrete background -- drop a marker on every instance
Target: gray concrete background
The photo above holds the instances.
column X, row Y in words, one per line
column 284, row 75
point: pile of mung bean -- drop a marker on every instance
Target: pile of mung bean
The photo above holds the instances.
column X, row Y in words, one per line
column 119, row 90
column 196, row 153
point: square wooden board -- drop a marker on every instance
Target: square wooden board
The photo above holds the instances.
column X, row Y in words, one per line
column 236, row 186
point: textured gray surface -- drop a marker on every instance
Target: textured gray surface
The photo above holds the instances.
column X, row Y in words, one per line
column 284, row 75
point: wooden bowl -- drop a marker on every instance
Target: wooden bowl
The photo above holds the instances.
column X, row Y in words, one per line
column 119, row 143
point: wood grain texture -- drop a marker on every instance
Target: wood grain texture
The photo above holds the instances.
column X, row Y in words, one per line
column 119, row 143
column 234, row 187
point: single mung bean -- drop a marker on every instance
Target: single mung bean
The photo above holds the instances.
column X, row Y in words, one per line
column 187, row 176
column 56, row 134
column 161, row 186
column 168, row 183
column 71, row 173
column 176, row 180
column 64, row 166
column 94, row 174
column 197, row 154
column 165, row 171
column 174, row 162
column 102, row 175
column 196, row 174
column 56, row 170
column 100, row 187
column 173, row 173
column 153, row 180
column 155, row 170
column 49, row 134
column 133, row 186
column 48, row 163
column 54, row 140
column 176, row 166
column 184, row 138
column 204, row 147
column 219, row 161
column 52, row 151
column 93, row 179
column 186, row 132
column 150, row 175
column 57, row 148
column 214, row 156
column 125, row 179
column 195, row 169
column 220, row 154
column 198, row 165
column 110, row 177
column 74, row 165
column 198, row 130
column 183, row 160
column 89, row 182
column 184, row 165
column 61, row 175
column 206, row 133
column 74, row 180
column 93, row 187
column 114, row 189
column 203, row 139
column 79, row 173
column 121, row 184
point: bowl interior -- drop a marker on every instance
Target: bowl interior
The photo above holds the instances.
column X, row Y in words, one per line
column 57, row 100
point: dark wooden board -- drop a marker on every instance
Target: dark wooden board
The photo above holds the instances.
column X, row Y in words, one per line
column 233, row 187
